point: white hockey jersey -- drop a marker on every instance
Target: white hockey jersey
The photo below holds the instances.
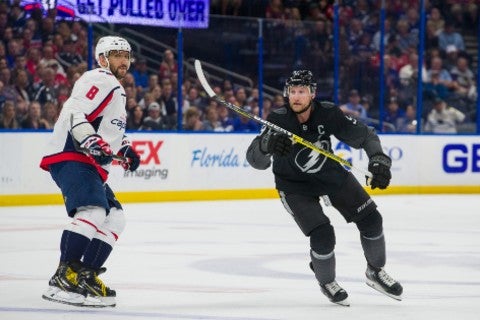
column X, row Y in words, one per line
column 99, row 99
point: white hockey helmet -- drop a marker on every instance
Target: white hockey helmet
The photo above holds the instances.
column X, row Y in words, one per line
column 109, row 43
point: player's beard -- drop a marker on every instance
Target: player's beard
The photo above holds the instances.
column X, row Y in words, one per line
column 120, row 72
column 304, row 108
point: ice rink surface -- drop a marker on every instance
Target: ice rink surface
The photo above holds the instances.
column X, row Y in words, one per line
column 247, row 260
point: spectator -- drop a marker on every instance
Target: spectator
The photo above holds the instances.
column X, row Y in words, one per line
column 168, row 66
column 464, row 12
column 451, row 56
column 22, row 86
column 154, row 120
column 225, row 118
column 68, row 56
column 443, row 118
column 47, row 90
column 244, row 124
column 275, row 10
column 394, row 115
column 17, row 18
column 148, row 98
column 156, row 94
column 135, row 118
column 241, row 96
column 464, row 79
column 439, row 81
column 405, row 38
column 278, row 101
column 47, row 28
column 192, row 120
column 211, row 122
column 8, row 90
column 140, row 74
column 34, row 118
column 409, row 73
column 386, row 36
column 436, row 21
column 267, row 107
column 450, row 37
column 408, row 124
column 50, row 114
column 169, row 103
column 195, row 99
column 33, row 60
column 353, row 107
column 152, row 81
column 2, row 97
column 8, row 118
column 60, row 75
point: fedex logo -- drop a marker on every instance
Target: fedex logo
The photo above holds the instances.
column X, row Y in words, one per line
column 457, row 158
column 148, row 150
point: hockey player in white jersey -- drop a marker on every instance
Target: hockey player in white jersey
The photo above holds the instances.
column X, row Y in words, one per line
column 89, row 132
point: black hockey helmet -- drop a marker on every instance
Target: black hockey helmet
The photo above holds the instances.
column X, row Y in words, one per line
column 300, row 78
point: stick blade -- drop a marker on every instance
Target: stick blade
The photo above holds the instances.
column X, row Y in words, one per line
column 203, row 80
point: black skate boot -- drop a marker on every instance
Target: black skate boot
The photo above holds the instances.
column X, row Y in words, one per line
column 334, row 292
column 63, row 286
column 380, row 280
column 97, row 293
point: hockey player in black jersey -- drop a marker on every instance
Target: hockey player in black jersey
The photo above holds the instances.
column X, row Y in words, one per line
column 302, row 176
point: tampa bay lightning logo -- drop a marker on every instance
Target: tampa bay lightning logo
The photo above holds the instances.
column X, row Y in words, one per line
column 344, row 151
column 310, row 161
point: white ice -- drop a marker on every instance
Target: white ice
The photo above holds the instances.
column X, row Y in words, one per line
column 233, row 260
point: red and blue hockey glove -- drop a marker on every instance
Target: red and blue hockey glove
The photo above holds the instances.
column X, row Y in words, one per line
column 98, row 149
column 132, row 158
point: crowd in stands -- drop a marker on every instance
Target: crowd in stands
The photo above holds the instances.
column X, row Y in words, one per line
column 41, row 58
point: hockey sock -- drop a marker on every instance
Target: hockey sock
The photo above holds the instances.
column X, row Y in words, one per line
column 374, row 250
column 97, row 253
column 72, row 246
column 323, row 266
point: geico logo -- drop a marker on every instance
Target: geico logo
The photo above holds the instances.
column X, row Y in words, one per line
column 147, row 150
column 456, row 158
column 119, row 123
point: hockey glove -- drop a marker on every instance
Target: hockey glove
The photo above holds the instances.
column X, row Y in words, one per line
column 98, row 149
column 132, row 157
column 275, row 143
column 379, row 165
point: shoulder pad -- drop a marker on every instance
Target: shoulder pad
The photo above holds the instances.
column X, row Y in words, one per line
column 281, row 110
column 327, row 104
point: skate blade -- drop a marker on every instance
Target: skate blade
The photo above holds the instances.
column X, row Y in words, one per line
column 98, row 302
column 375, row 286
column 343, row 303
column 55, row 294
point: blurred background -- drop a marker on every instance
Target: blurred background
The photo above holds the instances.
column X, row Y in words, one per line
column 367, row 56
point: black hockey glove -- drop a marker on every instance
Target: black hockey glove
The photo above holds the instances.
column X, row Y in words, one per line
column 379, row 165
column 132, row 157
column 275, row 143
column 98, row 149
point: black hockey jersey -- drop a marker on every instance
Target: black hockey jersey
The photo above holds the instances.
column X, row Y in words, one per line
column 305, row 171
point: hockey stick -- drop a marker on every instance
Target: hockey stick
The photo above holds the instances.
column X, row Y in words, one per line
column 89, row 152
column 294, row 137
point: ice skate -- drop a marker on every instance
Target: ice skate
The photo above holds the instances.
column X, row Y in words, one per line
column 380, row 280
column 97, row 293
column 335, row 293
column 63, row 286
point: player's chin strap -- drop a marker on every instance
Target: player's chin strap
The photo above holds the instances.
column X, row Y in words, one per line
column 294, row 137
column 89, row 152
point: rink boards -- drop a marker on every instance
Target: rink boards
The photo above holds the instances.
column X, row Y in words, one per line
column 209, row 166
